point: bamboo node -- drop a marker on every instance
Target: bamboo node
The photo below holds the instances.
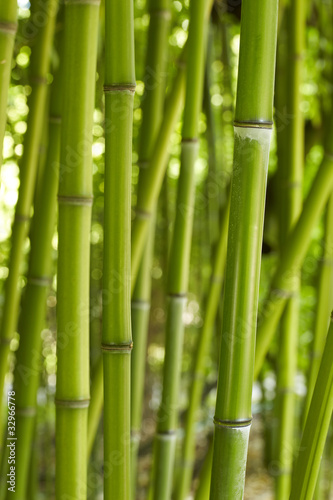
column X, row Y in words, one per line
column 181, row 295
column 22, row 217
column 119, row 87
column 140, row 304
column 143, row 164
column 76, row 200
column 28, row 411
column 190, row 140
column 117, row 348
column 254, row 124
column 40, row 280
column 9, row 28
column 5, row 341
column 142, row 214
column 72, row 403
column 232, row 423
column 39, row 80
column 55, row 119
column 163, row 13
column 166, row 435
column 83, row 2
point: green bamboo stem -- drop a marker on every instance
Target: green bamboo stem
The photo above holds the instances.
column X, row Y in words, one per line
column 165, row 439
column 117, row 337
column 28, row 362
column 203, row 489
column 39, row 67
column 75, row 200
column 8, row 28
column 324, row 304
column 316, row 428
column 152, row 109
column 296, row 247
column 253, row 124
column 290, row 177
column 153, row 184
column 188, row 448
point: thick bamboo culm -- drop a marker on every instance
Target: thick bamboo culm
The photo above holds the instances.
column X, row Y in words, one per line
column 290, row 171
column 165, row 439
column 75, row 201
column 28, row 362
column 253, row 124
column 116, row 336
column 296, row 246
column 39, row 68
column 152, row 109
column 8, row 28
column 188, row 448
column 316, row 428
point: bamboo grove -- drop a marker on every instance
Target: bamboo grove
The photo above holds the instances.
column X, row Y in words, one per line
column 166, row 277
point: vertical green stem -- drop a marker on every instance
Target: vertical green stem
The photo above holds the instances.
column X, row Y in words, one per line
column 179, row 257
column 290, row 176
column 152, row 109
column 253, row 124
column 40, row 63
column 8, row 27
column 28, row 356
column 316, row 428
column 75, row 200
column 116, row 337
column 188, row 449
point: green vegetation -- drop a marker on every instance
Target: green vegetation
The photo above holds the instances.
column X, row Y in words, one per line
column 166, row 227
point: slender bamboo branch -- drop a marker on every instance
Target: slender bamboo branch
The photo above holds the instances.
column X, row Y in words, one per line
column 165, row 439
column 8, row 28
column 152, row 109
column 75, row 200
column 316, row 428
column 116, row 337
column 40, row 63
column 188, row 457
column 290, row 176
column 28, row 362
column 253, row 124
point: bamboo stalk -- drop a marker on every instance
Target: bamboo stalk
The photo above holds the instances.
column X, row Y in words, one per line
column 324, row 304
column 75, row 200
column 165, row 439
column 40, row 63
column 188, row 448
column 296, row 246
column 253, row 124
column 8, row 28
column 116, row 337
column 151, row 190
column 152, row 109
column 28, row 362
column 290, row 177
column 316, row 428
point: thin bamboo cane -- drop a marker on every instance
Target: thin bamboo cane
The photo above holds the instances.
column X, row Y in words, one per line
column 40, row 62
column 28, row 362
column 324, row 304
column 151, row 191
column 152, row 109
column 8, row 28
column 296, row 246
column 253, row 124
column 316, row 428
column 291, row 177
column 75, row 200
column 203, row 490
column 165, row 438
column 188, row 448
column 116, row 337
